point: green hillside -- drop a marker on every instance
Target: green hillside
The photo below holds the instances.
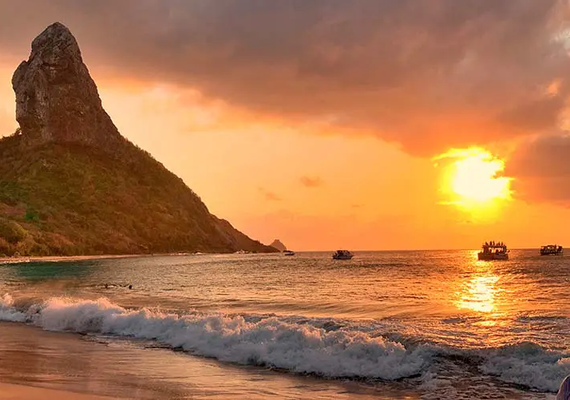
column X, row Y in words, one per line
column 65, row 199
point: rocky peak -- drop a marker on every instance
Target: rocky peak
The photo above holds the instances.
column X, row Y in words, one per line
column 56, row 99
column 277, row 244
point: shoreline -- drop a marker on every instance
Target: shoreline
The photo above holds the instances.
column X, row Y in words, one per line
column 95, row 368
column 24, row 259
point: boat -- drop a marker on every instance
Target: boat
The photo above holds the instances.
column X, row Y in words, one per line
column 551, row 250
column 289, row 252
column 493, row 251
column 342, row 255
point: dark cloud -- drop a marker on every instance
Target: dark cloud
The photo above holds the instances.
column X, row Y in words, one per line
column 425, row 74
column 538, row 115
column 541, row 170
column 311, row 182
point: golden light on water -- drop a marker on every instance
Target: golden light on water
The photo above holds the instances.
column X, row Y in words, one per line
column 472, row 179
column 478, row 294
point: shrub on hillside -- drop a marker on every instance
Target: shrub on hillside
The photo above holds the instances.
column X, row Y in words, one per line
column 32, row 215
column 11, row 231
column 6, row 248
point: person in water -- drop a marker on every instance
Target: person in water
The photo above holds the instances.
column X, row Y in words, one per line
column 564, row 391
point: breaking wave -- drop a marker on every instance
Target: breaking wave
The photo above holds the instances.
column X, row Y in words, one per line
column 328, row 348
column 8, row 312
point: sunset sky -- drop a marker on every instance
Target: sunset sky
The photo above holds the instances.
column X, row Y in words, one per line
column 337, row 124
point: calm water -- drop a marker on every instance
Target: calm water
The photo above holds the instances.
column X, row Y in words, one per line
column 434, row 324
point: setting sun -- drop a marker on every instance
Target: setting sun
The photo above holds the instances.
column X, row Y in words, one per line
column 473, row 177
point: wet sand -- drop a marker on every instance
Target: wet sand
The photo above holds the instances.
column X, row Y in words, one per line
column 36, row 364
column 20, row 392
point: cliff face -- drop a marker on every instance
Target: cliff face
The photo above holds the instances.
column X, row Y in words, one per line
column 71, row 184
column 56, row 99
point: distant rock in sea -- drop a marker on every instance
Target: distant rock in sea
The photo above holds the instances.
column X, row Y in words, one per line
column 70, row 184
column 278, row 245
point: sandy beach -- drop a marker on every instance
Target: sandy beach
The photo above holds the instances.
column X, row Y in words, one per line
column 87, row 257
column 23, row 259
column 37, row 364
column 20, row 392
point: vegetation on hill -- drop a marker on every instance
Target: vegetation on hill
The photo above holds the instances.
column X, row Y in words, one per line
column 70, row 199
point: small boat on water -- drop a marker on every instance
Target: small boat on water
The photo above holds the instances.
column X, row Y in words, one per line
column 491, row 251
column 342, row 255
column 288, row 252
column 551, row 250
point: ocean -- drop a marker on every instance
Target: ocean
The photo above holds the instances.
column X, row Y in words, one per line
column 406, row 324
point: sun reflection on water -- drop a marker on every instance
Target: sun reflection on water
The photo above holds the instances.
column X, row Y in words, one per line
column 479, row 294
column 480, row 291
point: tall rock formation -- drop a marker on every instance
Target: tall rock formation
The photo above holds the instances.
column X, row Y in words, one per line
column 56, row 99
column 71, row 184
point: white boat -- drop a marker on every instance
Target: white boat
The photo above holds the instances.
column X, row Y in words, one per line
column 493, row 251
column 289, row 253
column 342, row 255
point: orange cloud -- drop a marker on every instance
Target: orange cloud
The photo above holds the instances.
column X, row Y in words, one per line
column 268, row 195
column 311, row 182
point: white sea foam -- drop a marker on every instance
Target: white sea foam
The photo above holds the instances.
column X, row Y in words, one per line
column 528, row 364
column 303, row 346
column 8, row 312
column 270, row 341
